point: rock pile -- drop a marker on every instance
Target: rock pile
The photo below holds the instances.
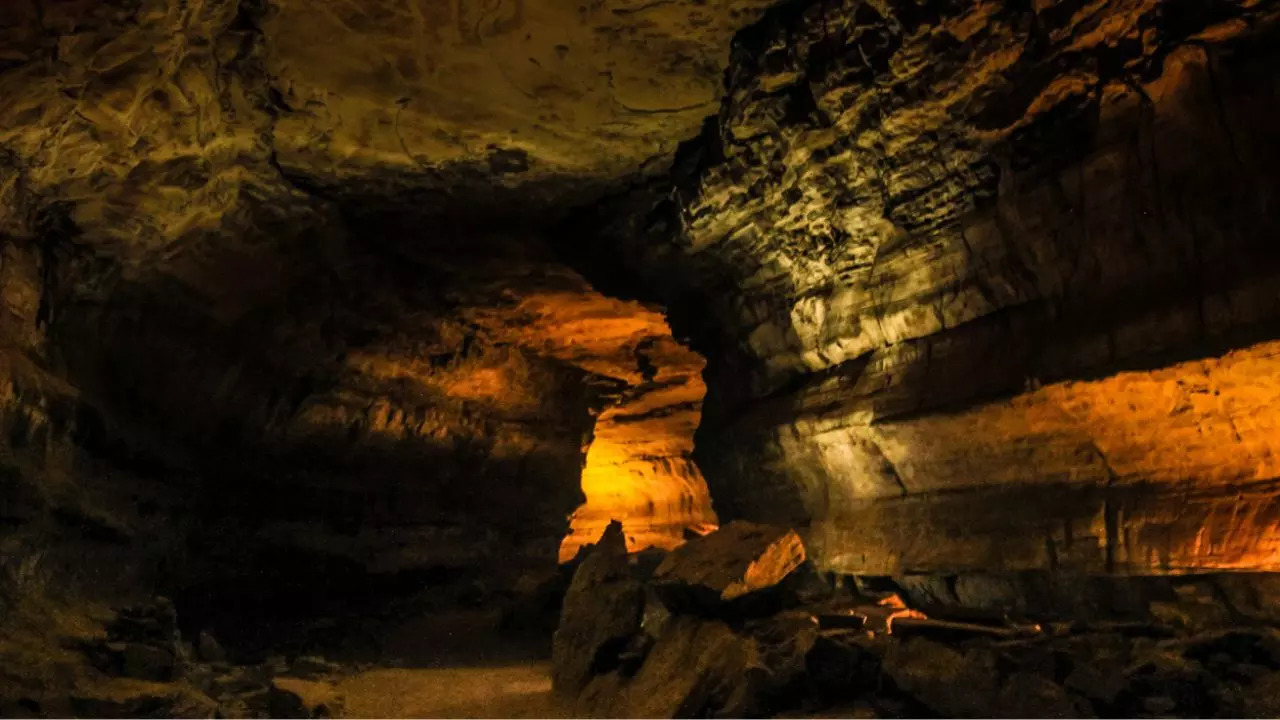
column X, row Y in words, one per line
column 675, row 642
column 142, row 642
column 141, row 668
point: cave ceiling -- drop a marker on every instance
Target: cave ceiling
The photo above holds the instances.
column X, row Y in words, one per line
column 159, row 121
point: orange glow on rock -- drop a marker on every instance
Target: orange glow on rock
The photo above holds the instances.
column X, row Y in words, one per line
column 638, row 468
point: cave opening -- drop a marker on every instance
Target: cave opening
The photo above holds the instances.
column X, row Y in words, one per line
column 638, row 468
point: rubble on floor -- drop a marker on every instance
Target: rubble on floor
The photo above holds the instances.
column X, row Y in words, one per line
column 136, row 664
column 859, row 649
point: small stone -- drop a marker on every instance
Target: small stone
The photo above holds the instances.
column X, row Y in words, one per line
column 840, row 666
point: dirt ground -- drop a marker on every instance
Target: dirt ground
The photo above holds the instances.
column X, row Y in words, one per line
column 454, row 666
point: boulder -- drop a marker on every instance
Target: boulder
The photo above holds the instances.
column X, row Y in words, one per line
column 732, row 563
column 1166, row 673
column 1259, row 646
column 951, row 683
column 602, row 612
column 1262, row 699
column 698, row 668
column 147, row 662
column 844, row 664
column 1099, row 686
column 784, row 642
column 1026, row 694
column 296, row 698
column 155, row 623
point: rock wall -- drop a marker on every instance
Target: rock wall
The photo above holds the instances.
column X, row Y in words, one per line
column 985, row 287
column 273, row 261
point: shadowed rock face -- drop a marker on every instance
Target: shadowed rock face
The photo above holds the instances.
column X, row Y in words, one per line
column 280, row 330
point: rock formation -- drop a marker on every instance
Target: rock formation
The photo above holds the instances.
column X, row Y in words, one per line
column 314, row 313
column 986, row 273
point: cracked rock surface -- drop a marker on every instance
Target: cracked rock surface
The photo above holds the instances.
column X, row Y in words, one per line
column 994, row 274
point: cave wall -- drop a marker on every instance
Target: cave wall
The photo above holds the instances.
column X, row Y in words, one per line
column 216, row 316
column 985, row 286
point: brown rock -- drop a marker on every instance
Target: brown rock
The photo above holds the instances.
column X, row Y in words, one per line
column 698, row 668
column 845, row 663
column 147, row 662
column 208, row 649
column 1029, row 695
column 948, row 681
column 602, row 611
column 733, row 562
column 1094, row 684
column 129, row 698
column 1262, row 699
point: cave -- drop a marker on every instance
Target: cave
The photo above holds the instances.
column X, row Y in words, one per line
column 752, row 358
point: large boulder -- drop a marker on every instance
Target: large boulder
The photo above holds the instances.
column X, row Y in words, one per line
column 731, row 564
column 949, row 682
column 697, row 668
column 601, row 615
column 844, row 664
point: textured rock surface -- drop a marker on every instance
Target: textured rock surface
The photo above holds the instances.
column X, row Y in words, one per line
column 984, row 286
column 602, row 610
column 277, row 334
column 733, row 562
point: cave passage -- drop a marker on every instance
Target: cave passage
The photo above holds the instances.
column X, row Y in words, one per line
column 638, row 467
column 908, row 358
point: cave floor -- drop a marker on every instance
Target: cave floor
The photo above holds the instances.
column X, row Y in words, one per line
column 454, row 665
column 516, row 691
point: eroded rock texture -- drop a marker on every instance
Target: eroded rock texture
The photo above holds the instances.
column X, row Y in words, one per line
column 292, row 319
column 278, row 326
column 986, row 286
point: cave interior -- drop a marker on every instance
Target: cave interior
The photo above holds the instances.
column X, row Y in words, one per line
column 874, row 358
